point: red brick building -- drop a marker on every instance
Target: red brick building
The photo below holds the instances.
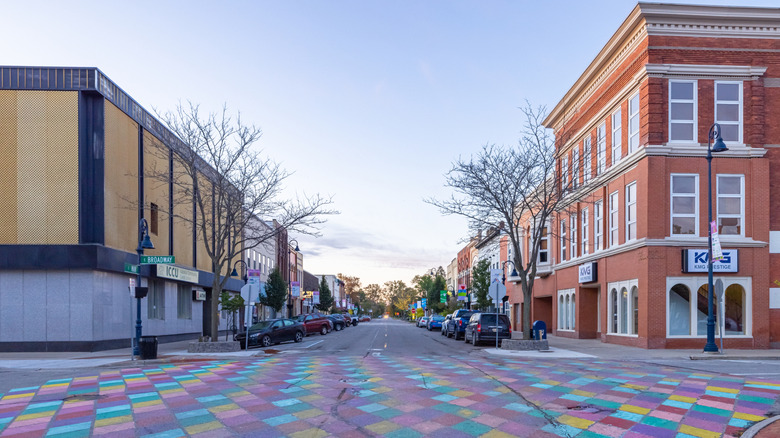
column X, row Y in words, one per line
column 627, row 262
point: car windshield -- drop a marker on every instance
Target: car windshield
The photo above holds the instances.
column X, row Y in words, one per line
column 438, row 318
column 262, row 325
column 466, row 315
column 300, row 318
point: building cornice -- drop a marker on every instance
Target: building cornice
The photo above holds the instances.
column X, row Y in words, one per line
column 703, row 71
column 651, row 19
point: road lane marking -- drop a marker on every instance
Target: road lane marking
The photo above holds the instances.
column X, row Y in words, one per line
column 314, row 343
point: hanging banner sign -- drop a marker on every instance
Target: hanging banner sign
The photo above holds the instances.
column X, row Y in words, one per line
column 717, row 253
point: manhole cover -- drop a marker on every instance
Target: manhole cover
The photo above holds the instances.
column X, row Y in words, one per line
column 83, row 397
column 270, row 351
column 587, row 408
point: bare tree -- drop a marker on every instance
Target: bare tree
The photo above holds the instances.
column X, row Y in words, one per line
column 515, row 185
column 217, row 170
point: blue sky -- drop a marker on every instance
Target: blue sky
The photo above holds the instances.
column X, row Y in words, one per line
column 368, row 101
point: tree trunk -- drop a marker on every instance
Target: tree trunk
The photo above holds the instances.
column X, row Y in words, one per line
column 526, row 314
column 214, row 314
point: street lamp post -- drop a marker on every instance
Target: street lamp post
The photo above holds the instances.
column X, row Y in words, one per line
column 248, row 311
column 143, row 243
column 719, row 146
column 289, row 280
column 503, row 281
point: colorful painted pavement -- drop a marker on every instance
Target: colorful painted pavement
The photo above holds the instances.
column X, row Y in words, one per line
column 390, row 396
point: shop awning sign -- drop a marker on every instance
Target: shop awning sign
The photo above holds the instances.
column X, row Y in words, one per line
column 587, row 272
column 695, row 260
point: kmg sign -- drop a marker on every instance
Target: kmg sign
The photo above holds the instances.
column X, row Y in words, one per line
column 695, row 260
column 587, row 272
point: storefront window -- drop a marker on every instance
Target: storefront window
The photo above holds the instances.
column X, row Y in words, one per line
column 734, row 318
column 680, row 311
column 702, row 309
column 624, row 311
column 635, row 311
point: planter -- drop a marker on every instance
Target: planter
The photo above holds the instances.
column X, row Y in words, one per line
column 524, row 345
column 213, row 347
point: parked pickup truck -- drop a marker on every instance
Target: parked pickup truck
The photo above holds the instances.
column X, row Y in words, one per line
column 456, row 326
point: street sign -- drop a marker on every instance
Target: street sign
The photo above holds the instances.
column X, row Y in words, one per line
column 131, row 269
column 443, row 296
column 157, row 260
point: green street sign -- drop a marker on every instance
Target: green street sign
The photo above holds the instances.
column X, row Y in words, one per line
column 157, row 260
column 132, row 269
column 443, row 296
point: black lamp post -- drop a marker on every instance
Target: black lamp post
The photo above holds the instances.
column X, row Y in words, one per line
column 503, row 281
column 289, row 280
column 246, row 279
column 143, row 243
column 719, row 146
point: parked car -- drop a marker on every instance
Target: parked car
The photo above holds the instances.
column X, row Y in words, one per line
column 456, row 326
column 444, row 324
column 347, row 318
column 315, row 322
column 423, row 321
column 273, row 331
column 365, row 318
column 482, row 327
column 434, row 322
column 338, row 322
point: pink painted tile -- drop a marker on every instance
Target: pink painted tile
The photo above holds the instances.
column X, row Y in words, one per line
column 113, row 428
column 427, row 427
column 489, row 420
column 666, row 415
column 607, row 430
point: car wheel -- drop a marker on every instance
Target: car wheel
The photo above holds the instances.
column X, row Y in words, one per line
column 466, row 338
column 298, row 336
column 266, row 341
column 324, row 330
column 429, row 328
column 474, row 339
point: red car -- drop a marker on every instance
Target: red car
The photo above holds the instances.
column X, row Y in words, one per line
column 364, row 318
column 315, row 322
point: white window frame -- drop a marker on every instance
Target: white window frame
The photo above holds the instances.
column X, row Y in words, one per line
column 739, row 123
column 585, row 232
column 155, row 300
column 741, row 196
column 573, row 226
column 575, row 167
column 601, row 152
column 567, row 305
column 631, row 231
column 183, row 301
column 563, row 240
column 617, row 136
column 598, row 225
column 587, row 156
column 625, row 315
column 694, row 195
column 545, row 237
column 565, row 173
column 614, row 213
column 694, row 102
column 633, row 129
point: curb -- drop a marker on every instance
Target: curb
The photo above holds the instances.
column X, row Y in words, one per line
column 755, row 429
column 730, row 357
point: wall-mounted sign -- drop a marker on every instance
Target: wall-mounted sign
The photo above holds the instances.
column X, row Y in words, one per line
column 588, row 272
column 177, row 273
column 199, row 294
column 695, row 260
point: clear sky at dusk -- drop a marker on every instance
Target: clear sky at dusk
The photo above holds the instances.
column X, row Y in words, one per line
column 368, row 101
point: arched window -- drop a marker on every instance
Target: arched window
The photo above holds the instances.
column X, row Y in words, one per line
column 614, row 308
column 567, row 314
column 634, row 311
column 734, row 317
column 573, row 311
column 624, row 311
column 680, row 310
column 560, row 312
column 701, row 311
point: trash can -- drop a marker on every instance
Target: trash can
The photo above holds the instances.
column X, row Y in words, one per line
column 148, row 347
column 539, row 330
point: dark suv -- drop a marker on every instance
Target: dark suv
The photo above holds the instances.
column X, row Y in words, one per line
column 456, row 326
column 482, row 327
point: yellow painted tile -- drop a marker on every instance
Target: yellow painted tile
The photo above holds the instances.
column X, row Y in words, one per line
column 749, row 417
column 753, row 382
column 695, row 431
column 54, row 385
column 375, row 379
column 442, row 383
column 391, row 403
column 496, row 434
column 682, row 399
column 135, row 379
column 426, row 374
column 461, row 393
column 11, row 397
column 383, row 427
column 147, row 403
column 583, row 393
column 635, row 409
column 311, row 386
column 579, row 423
column 381, row 389
column 467, row 413
column 632, row 386
column 308, row 413
column 310, row 398
column 35, row 415
column 198, row 428
column 719, row 389
column 239, row 393
column 171, row 391
column 501, row 389
column 310, row 433
column 223, row 408
column 550, row 382
column 114, row 420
